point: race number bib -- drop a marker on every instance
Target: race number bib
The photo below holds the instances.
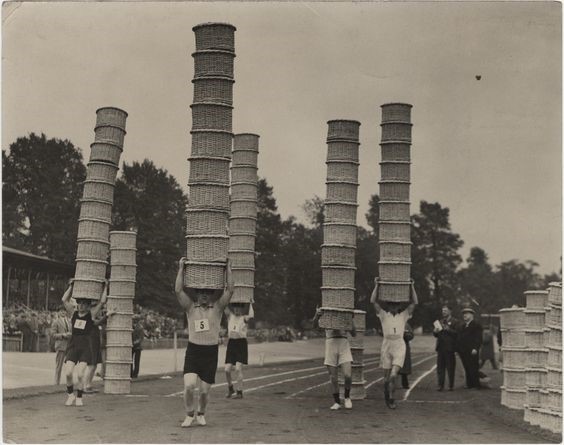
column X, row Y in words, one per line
column 202, row 325
column 79, row 324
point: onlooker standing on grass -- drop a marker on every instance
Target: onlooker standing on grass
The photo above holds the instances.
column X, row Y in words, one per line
column 446, row 332
column 137, row 338
column 469, row 343
column 406, row 368
column 27, row 333
column 61, row 333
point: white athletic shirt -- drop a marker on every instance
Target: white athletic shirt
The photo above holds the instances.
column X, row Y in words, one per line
column 236, row 324
column 204, row 324
column 393, row 325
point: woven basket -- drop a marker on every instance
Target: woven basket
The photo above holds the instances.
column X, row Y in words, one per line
column 213, row 89
column 244, row 276
column 394, row 291
column 246, row 141
column 358, row 391
column 554, row 315
column 244, row 173
column 87, row 288
column 536, row 299
column 113, row 385
column 243, row 208
column 204, row 275
column 514, row 378
column 342, row 191
column 356, row 341
column 342, row 171
column 554, row 377
column 555, row 293
column 102, row 171
column 123, row 256
column 536, row 377
column 395, row 271
column 334, row 276
column 118, row 336
column 206, row 222
column 208, row 169
column 211, row 143
column 340, row 212
column 514, row 338
column 337, row 255
column 245, row 157
column 121, row 272
column 343, row 129
column 342, row 151
column 532, row 399
column 242, row 258
column 535, row 358
column 394, row 231
column 109, row 134
column 555, row 337
column 394, row 210
column 212, row 115
column 513, row 398
column 546, row 332
column 209, row 196
column 95, row 269
column 396, row 112
column 120, row 304
column 515, row 357
column 215, row 35
column 512, row 318
column 357, row 374
column 534, row 338
column 336, row 318
column 213, row 63
column 535, row 319
column 555, row 399
column 242, row 225
column 339, row 297
column 123, row 239
column 357, row 355
column 343, row 234
column 554, row 358
column 394, row 171
column 98, row 190
column 244, row 190
column 93, row 229
column 395, row 250
column 118, row 353
column 207, row 248
column 111, row 116
column 96, row 209
column 118, row 368
column 241, row 242
column 360, row 320
column 94, row 249
column 396, row 132
column 394, row 191
column 396, row 151
column 243, row 294
column 105, row 152
column 550, row 420
column 121, row 321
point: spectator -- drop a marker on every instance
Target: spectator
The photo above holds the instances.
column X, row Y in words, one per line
column 137, row 339
column 446, row 333
column 469, row 343
column 61, row 333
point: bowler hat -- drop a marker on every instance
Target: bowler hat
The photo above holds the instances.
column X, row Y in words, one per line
column 468, row 309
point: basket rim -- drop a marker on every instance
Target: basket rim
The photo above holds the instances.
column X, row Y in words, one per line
column 340, row 224
column 512, row 309
column 112, row 108
column 211, row 158
column 510, row 369
column 120, row 297
column 532, row 330
column 404, row 243
column 344, row 246
column 106, row 163
column 101, row 201
column 340, row 181
column 206, row 263
column 552, row 305
column 395, row 142
column 344, row 203
column 255, row 167
column 342, row 139
column 109, row 126
column 113, row 144
column 408, row 263
column 89, row 280
column 535, row 292
column 555, row 284
column 241, row 251
column 359, row 311
column 554, row 347
column 243, row 268
column 395, row 162
column 519, row 329
column 213, row 51
column 352, row 121
column 246, row 286
column 211, row 24
column 123, row 248
column 337, row 288
column 206, row 236
column 211, row 130
column 214, row 104
column 339, row 267
column 396, row 103
column 243, row 200
column 393, row 201
column 252, row 218
column 533, row 369
column 116, row 345
column 209, row 184
column 336, row 309
column 534, row 311
column 403, row 283
column 394, row 181
column 99, row 181
column 119, row 362
column 200, row 78
column 520, row 348
column 105, row 221
column 396, row 122
column 247, row 234
column 213, row 210
column 384, row 221
column 121, row 280
column 248, row 134
column 90, row 260
column 341, row 161
column 96, row 240
column 124, row 264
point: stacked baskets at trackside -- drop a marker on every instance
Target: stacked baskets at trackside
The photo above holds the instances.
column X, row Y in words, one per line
column 358, row 389
column 339, row 226
column 120, row 301
column 212, row 109
column 394, row 224
column 96, row 203
column 513, row 390
column 243, row 219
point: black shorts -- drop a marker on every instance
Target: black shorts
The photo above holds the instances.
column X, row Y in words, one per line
column 201, row 360
column 96, row 350
column 79, row 350
column 237, row 351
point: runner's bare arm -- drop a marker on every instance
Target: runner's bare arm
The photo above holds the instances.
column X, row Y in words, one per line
column 414, row 300
column 66, row 298
column 316, row 317
column 230, row 284
column 183, row 299
column 251, row 314
column 101, row 302
column 374, row 297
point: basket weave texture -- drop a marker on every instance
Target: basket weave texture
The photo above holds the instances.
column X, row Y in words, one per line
column 105, row 152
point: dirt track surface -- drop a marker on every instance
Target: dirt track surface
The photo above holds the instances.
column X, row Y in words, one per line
column 286, row 403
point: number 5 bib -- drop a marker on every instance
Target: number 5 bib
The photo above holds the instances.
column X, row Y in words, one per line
column 201, row 325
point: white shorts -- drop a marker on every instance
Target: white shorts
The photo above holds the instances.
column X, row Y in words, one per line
column 337, row 351
column 393, row 353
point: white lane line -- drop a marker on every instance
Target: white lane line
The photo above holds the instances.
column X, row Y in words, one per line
column 136, row 395
column 452, row 402
column 414, row 364
column 421, row 377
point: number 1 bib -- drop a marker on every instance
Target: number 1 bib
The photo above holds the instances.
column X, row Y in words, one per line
column 79, row 324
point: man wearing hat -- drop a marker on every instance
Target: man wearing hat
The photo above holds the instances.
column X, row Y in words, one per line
column 469, row 342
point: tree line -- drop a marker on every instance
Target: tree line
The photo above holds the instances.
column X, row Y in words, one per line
column 42, row 187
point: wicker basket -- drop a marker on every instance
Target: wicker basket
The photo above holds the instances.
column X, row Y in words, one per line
column 242, row 242
column 555, row 293
column 512, row 318
column 342, row 151
column 555, row 337
column 98, row 190
column 394, row 291
column 357, row 374
column 356, row 341
column 532, row 399
column 554, row 377
column 213, row 89
column 343, row 129
column 94, row 249
column 242, row 225
column 396, row 131
column 358, row 391
column 535, row 319
column 343, row 234
column 357, row 355
column 209, row 196
column 206, row 222
column 106, row 152
column 123, row 239
column 337, row 255
column 242, row 258
column 95, row 269
column 342, row 171
column 515, row 357
column 246, row 141
column 513, row 398
column 550, row 420
column 120, row 368
column 536, row 377
column 209, row 170
column 121, row 321
column 535, row 358
column 394, row 190
column 395, row 250
column 211, row 143
column 120, row 304
column 396, row 112
column 88, row 288
column 111, row 116
column 513, row 338
column 118, row 336
column 243, row 208
column 536, row 299
column 244, row 173
column 118, row 353
column 101, row 171
column 201, row 275
column 554, row 359
column 244, row 276
column 213, row 63
column 114, row 385
column 555, row 399
column 120, row 272
column 93, row 229
column 534, row 338
column 123, row 257
column 243, row 294
column 97, row 209
column 396, row 151
column 514, row 378
column 395, row 171
column 394, row 230
column 336, row 318
column 339, row 297
column 340, row 212
column 395, row 270
column 359, row 320
column 334, row 276
column 342, row 191
column 212, row 115
column 207, row 248
column 215, row 35
column 244, row 190
column 109, row 134
column 554, row 315
column 245, row 157
column 394, row 210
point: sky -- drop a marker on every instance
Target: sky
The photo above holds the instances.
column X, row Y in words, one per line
column 490, row 150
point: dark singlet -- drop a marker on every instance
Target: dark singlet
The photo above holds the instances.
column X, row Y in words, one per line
column 82, row 325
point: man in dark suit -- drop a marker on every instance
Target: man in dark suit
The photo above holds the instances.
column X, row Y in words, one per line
column 61, row 332
column 469, row 343
column 446, row 336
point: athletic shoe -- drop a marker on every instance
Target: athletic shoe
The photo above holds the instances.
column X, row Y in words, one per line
column 187, row 421
column 230, row 394
column 391, row 403
column 335, row 406
column 348, row 403
column 70, row 400
column 237, row 395
column 201, row 420
column 79, row 401
column 386, row 391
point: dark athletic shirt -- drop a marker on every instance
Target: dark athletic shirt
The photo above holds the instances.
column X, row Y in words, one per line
column 82, row 325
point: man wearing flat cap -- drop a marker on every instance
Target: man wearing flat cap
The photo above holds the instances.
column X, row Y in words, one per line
column 469, row 342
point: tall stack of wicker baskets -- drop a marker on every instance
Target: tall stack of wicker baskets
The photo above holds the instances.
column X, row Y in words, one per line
column 513, row 391
column 394, row 223
column 120, row 324
column 339, row 227
column 96, row 203
column 358, row 391
column 212, row 109
column 243, row 219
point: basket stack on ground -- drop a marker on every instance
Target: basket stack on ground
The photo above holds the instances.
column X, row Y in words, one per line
column 243, row 219
column 120, row 300
column 339, row 227
column 96, row 203
column 514, row 351
column 394, row 222
column 358, row 390
column 212, row 109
